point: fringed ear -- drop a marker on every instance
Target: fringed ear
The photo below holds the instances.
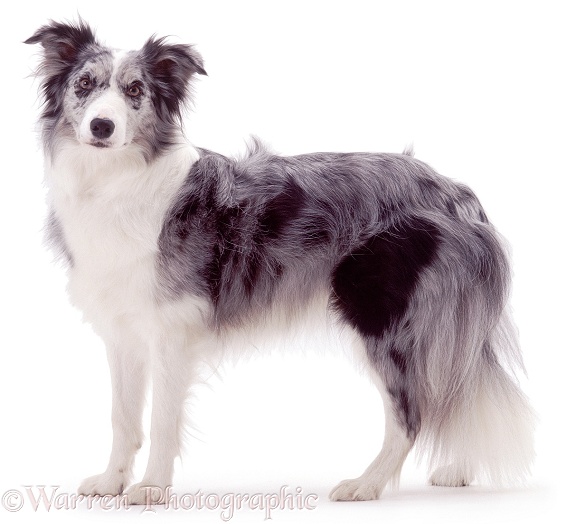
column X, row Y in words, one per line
column 171, row 67
column 62, row 43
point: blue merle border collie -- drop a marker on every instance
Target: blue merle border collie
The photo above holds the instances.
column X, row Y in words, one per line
column 172, row 249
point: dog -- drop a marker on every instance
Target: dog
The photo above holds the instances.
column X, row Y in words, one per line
column 171, row 249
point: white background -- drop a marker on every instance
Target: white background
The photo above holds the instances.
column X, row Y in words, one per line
column 490, row 93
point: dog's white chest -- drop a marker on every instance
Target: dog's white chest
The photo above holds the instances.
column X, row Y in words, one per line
column 111, row 215
column 113, row 247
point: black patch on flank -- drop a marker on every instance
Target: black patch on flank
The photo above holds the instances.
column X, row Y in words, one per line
column 242, row 270
column 282, row 210
column 372, row 286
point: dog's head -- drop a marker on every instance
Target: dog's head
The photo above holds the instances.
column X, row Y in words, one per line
column 111, row 99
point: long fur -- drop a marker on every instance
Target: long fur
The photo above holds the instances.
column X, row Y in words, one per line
column 171, row 248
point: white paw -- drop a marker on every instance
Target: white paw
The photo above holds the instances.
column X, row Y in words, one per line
column 104, row 484
column 356, row 489
column 146, row 493
column 450, row 476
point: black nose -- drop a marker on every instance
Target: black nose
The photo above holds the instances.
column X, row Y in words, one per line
column 102, row 127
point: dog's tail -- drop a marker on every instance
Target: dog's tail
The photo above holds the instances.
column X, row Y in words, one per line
column 475, row 421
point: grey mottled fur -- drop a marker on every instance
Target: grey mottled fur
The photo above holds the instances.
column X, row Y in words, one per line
column 444, row 337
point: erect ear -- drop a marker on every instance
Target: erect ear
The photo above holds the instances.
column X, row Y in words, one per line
column 62, row 42
column 171, row 66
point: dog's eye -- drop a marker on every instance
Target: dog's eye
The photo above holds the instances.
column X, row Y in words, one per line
column 134, row 91
column 85, row 84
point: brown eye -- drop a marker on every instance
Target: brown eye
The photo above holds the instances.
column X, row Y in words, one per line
column 85, row 84
column 134, row 91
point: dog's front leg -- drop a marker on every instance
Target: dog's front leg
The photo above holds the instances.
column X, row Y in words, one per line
column 172, row 373
column 128, row 368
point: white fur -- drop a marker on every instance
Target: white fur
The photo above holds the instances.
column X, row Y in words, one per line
column 488, row 439
column 385, row 467
column 110, row 106
column 111, row 206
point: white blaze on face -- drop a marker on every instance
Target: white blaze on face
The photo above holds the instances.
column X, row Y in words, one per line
column 112, row 107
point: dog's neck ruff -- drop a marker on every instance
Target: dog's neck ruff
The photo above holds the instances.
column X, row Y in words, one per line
column 80, row 170
column 111, row 204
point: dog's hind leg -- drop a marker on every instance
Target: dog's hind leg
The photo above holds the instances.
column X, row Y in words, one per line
column 372, row 289
column 402, row 422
